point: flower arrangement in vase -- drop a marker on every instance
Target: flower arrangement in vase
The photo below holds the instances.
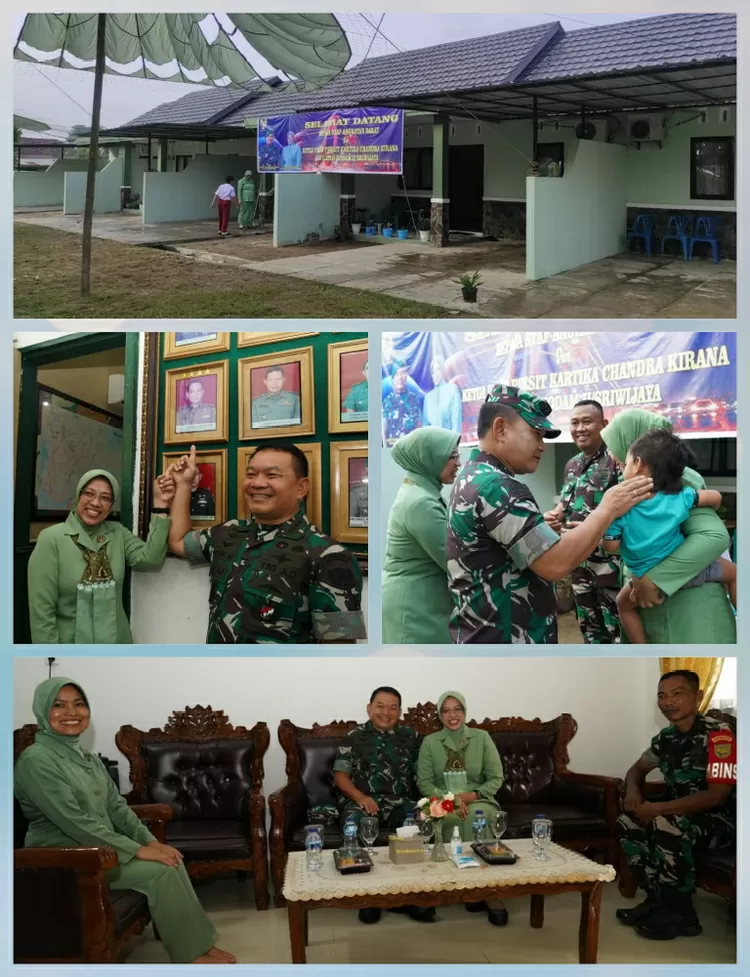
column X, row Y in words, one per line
column 437, row 808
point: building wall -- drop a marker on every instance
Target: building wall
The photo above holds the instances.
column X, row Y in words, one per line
column 612, row 732
column 187, row 195
column 45, row 188
column 305, row 203
column 580, row 217
column 106, row 192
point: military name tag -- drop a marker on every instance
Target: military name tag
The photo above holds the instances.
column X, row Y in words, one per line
column 722, row 758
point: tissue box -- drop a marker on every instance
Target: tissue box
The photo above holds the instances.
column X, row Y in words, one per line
column 403, row 851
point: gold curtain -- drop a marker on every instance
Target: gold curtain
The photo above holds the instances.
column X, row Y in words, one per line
column 708, row 671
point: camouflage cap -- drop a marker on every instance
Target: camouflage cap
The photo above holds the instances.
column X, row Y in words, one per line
column 532, row 409
column 397, row 364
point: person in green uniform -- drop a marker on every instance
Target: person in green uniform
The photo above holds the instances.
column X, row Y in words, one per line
column 69, row 799
column 277, row 407
column 374, row 771
column 697, row 757
column 465, row 762
column 670, row 615
column 275, row 579
column 356, row 401
column 246, row 200
column 587, row 476
column 417, row 604
column 503, row 558
column 77, row 569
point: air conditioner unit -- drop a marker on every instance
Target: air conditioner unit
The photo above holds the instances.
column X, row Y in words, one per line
column 645, row 128
column 596, row 130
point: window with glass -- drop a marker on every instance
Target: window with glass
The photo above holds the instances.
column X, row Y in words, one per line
column 712, row 168
column 417, row 173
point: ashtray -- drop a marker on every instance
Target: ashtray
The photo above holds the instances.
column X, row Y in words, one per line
column 351, row 861
column 494, row 853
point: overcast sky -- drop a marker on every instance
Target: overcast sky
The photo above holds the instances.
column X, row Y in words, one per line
column 62, row 97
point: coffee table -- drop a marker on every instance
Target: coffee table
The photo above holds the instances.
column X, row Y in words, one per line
column 440, row 884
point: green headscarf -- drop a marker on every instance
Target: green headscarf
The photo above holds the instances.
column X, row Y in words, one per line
column 425, row 452
column 100, row 473
column 455, row 735
column 44, row 696
column 625, row 428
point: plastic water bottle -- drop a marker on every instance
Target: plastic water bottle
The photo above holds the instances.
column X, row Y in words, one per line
column 314, row 849
column 457, row 846
column 350, row 832
column 409, row 821
column 479, row 826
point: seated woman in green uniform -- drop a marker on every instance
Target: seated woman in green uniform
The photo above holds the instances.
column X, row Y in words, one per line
column 417, row 604
column 465, row 762
column 700, row 615
column 69, row 799
column 77, row 569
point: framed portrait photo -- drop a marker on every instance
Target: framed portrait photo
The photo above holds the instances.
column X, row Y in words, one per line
column 208, row 500
column 313, row 502
column 276, row 395
column 262, row 338
column 348, row 386
column 349, row 491
column 195, row 404
column 178, row 344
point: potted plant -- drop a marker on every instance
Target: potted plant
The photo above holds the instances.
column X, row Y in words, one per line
column 370, row 227
column 469, row 285
column 388, row 229
column 423, row 225
column 402, row 232
column 356, row 227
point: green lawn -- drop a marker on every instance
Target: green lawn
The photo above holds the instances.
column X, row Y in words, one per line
column 130, row 282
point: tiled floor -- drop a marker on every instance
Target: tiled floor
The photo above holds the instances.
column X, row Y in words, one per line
column 336, row 936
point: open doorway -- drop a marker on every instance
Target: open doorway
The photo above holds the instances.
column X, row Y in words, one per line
column 466, row 180
column 71, row 406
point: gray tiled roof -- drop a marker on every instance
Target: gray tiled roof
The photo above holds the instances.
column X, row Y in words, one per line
column 475, row 63
column 201, row 107
column 648, row 43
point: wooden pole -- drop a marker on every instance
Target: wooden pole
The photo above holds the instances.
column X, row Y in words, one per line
column 88, row 212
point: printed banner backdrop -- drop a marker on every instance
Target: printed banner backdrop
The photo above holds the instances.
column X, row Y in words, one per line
column 689, row 377
column 361, row 140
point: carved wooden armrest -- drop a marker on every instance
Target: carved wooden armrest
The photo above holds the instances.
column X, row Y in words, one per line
column 152, row 812
column 85, row 861
column 288, row 810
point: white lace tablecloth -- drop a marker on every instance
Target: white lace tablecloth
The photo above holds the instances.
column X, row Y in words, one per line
column 386, row 878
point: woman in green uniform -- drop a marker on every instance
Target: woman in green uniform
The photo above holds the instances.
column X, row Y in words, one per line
column 465, row 762
column 700, row 615
column 77, row 570
column 68, row 798
column 246, row 200
column 417, row 604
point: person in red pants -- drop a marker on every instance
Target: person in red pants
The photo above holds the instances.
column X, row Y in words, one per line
column 224, row 195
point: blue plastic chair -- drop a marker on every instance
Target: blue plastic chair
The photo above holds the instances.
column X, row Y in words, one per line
column 707, row 229
column 643, row 227
column 679, row 228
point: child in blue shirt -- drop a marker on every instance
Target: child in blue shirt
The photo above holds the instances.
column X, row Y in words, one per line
column 650, row 532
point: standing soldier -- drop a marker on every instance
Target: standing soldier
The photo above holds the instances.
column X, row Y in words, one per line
column 587, row 477
column 503, row 558
column 276, row 407
column 275, row 579
column 375, row 771
column 697, row 757
column 357, row 399
column 402, row 409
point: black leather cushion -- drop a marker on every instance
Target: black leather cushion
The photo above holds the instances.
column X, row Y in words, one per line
column 719, row 865
column 528, row 766
column 316, row 758
column 568, row 823
column 208, row 839
column 210, row 779
column 127, row 906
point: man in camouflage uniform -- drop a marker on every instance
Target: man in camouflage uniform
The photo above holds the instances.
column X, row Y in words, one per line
column 195, row 415
column 402, row 409
column 376, row 772
column 274, row 578
column 503, row 558
column 277, row 407
column 269, row 152
column 357, row 400
column 697, row 757
column 587, row 477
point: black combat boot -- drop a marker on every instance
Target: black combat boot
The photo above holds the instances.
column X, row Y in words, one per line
column 674, row 917
column 640, row 913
